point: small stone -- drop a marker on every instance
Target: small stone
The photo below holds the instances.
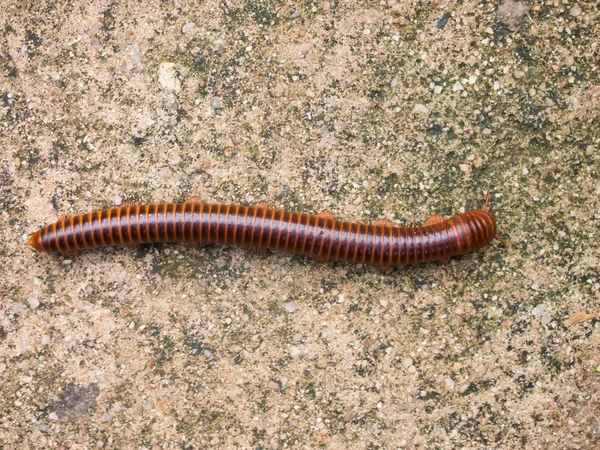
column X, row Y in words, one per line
column 438, row 89
column 394, row 83
column 118, row 200
column 216, row 104
column 383, row 302
column 17, row 307
column 511, row 12
column 457, row 87
column 472, row 61
column 188, row 27
column 294, row 351
column 326, row 6
column 421, row 109
column 575, row 11
column 106, row 417
column 53, row 416
column 546, row 319
column 539, row 309
column 472, row 79
column 305, row 48
column 2, row 367
column 449, row 384
column 290, row 307
column 407, row 362
column 45, row 339
column 33, row 302
column 168, row 78
column 297, row 337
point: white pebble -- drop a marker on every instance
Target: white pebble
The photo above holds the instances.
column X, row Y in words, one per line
column 407, row 362
column 118, row 200
column 457, row 87
column 305, row 48
column 449, row 384
column 421, row 109
column 17, row 307
column 472, row 79
column 188, row 27
column 546, row 319
column 539, row 309
column 2, row 367
column 294, row 351
column 168, row 78
column 52, row 416
column 33, row 302
column 438, row 89
column 45, row 339
column 575, row 11
column 383, row 302
column 290, row 306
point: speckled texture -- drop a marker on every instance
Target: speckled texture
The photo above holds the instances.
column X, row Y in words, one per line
column 375, row 109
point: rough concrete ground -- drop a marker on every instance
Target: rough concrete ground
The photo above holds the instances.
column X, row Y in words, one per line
column 369, row 109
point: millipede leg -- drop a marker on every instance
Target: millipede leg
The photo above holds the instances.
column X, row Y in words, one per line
column 433, row 219
column 194, row 199
column 502, row 241
column 264, row 205
column 383, row 223
column 487, row 201
column 327, row 215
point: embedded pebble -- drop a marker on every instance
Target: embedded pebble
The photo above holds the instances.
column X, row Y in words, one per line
column 294, row 351
column 449, row 382
column 188, row 27
column 539, row 309
column 17, row 307
column 33, row 302
column 421, row 109
column 2, row 367
column 575, row 11
column 290, row 306
column 457, row 87
column 167, row 77
column 407, row 362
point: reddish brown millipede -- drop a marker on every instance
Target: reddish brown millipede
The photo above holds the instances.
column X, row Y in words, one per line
column 260, row 227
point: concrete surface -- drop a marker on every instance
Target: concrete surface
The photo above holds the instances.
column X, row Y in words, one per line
column 369, row 109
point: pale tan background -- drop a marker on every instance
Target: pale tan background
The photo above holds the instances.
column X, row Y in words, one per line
column 366, row 109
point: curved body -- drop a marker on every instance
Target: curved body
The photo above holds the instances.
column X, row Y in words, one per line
column 261, row 227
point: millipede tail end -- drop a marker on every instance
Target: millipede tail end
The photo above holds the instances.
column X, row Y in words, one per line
column 35, row 241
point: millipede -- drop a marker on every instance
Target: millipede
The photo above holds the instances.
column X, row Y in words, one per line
column 261, row 227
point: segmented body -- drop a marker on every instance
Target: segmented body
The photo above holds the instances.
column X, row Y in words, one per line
column 261, row 227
